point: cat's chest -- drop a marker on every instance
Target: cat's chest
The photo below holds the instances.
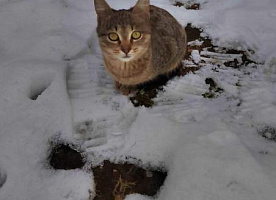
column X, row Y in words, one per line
column 130, row 73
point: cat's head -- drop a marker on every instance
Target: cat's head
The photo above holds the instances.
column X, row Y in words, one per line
column 124, row 34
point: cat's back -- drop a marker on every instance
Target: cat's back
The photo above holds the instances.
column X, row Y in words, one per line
column 163, row 20
column 168, row 39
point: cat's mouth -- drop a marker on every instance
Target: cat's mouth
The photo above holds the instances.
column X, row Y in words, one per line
column 126, row 58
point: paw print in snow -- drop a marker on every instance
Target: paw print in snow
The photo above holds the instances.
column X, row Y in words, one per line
column 108, row 132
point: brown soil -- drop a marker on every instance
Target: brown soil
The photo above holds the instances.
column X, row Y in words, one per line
column 178, row 4
column 192, row 6
column 213, row 90
column 115, row 181
column 195, row 6
column 193, row 34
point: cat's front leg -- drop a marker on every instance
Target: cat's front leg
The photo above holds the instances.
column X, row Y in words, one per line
column 125, row 89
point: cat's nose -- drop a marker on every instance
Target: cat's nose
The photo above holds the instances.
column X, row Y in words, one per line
column 126, row 49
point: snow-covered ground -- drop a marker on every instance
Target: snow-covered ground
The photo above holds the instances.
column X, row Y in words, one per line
column 211, row 148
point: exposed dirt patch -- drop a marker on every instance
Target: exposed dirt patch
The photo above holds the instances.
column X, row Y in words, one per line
column 189, row 5
column 178, row 4
column 196, row 41
column 63, row 156
column 195, row 6
column 115, row 181
column 213, row 90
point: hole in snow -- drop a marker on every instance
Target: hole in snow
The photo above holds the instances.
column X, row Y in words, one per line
column 3, row 177
column 64, row 156
column 39, row 85
column 115, row 181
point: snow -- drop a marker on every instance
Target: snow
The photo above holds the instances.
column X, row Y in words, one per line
column 195, row 55
column 54, row 88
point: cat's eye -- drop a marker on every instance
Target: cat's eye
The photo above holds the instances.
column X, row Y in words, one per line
column 136, row 35
column 113, row 36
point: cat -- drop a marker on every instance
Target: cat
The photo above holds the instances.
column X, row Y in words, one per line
column 138, row 44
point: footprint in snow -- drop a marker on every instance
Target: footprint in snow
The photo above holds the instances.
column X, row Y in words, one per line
column 106, row 133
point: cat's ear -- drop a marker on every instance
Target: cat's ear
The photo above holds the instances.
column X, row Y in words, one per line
column 102, row 8
column 142, row 6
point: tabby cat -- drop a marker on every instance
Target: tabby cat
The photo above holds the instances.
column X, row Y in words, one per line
column 138, row 44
